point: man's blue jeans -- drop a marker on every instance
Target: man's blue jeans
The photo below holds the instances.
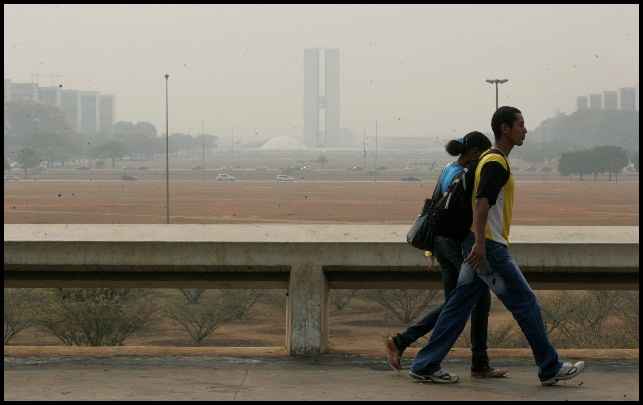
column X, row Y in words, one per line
column 502, row 275
column 448, row 252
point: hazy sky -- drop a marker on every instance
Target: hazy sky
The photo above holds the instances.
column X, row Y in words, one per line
column 418, row 69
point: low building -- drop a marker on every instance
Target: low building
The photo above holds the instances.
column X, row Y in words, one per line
column 24, row 92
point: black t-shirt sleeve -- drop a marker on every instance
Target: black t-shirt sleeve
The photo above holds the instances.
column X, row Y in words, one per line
column 492, row 177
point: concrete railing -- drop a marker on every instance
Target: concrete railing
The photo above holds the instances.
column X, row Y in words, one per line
column 307, row 260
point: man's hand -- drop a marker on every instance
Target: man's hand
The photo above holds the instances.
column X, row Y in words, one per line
column 476, row 256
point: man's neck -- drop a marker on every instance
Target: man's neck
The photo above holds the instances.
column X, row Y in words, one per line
column 504, row 146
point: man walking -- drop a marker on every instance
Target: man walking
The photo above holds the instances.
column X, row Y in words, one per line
column 488, row 263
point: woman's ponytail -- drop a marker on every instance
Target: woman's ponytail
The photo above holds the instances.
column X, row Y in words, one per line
column 472, row 140
column 455, row 147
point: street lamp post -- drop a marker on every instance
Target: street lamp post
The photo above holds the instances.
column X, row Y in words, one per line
column 496, row 82
column 167, row 156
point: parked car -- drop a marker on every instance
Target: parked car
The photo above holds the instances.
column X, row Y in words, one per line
column 225, row 177
column 283, row 178
column 128, row 177
column 409, row 178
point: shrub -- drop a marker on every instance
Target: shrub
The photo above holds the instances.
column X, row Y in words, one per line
column 581, row 318
column 340, row 299
column 405, row 305
column 19, row 310
column 95, row 316
column 199, row 319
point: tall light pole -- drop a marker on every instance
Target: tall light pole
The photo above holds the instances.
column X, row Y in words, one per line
column 364, row 151
column 203, row 143
column 376, row 150
column 496, row 82
column 167, row 156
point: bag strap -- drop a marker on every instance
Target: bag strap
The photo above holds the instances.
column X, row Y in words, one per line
column 497, row 152
column 436, row 191
column 460, row 178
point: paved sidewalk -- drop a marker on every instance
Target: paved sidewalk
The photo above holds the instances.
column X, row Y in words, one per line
column 329, row 377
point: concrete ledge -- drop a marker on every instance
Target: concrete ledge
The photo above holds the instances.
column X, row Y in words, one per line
column 464, row 353
column 142, row 351
column 278, row 351
column 308, row 260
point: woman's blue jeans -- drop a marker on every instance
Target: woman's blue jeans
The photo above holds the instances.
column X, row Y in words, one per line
column 448, row 252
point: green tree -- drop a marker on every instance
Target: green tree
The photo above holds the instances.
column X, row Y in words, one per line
column 55, row 146
column 27, row 158
column 597, row 163
column 635, row 159
column 140, row 138
column 207, row 142
column 322, row 160
column 600, row 159
column 574, row 163
column 24, row 118
column 109, row 150
column 179, row 142
column 565, row 167
column 615, row 159
column 40, row 127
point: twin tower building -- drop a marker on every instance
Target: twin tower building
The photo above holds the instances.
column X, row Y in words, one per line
column 321, row 98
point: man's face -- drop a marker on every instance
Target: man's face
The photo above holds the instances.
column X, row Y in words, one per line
column 516, row 134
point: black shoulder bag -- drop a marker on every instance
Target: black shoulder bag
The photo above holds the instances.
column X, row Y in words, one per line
column 422, row 232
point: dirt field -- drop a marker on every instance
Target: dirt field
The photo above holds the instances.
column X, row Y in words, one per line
column 536, row 203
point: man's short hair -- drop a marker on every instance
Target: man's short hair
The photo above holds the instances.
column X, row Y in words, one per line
column 503, row 115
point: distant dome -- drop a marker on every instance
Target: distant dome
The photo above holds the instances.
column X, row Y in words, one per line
column 283, row 143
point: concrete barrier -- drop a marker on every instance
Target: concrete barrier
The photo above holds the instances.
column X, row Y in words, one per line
column 308, row 260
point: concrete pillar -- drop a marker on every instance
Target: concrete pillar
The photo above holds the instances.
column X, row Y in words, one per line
column 307, row 310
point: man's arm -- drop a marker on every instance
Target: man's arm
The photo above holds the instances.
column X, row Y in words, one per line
column 480, row 213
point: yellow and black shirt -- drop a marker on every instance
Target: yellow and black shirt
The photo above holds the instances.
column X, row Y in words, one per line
column 493, row 181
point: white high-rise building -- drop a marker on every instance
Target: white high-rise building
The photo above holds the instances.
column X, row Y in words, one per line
column 7, row 90
column 70, row 104
column 321, row 97
column 24, row 92
column 595, row 102
column 610, row 100
column 106, row 113
column 89, row 112
column 628, row 98
column 50, row 95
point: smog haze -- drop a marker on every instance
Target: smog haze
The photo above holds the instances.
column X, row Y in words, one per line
column 418, row 69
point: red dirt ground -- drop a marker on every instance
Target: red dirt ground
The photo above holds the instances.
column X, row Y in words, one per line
column 536, row 203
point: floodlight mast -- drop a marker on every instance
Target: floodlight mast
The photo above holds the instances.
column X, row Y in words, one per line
column 496, row 82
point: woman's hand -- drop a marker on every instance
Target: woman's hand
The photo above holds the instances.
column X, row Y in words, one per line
column 429, row 262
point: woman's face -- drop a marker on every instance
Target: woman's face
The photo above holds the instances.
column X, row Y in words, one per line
column 475, row 153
